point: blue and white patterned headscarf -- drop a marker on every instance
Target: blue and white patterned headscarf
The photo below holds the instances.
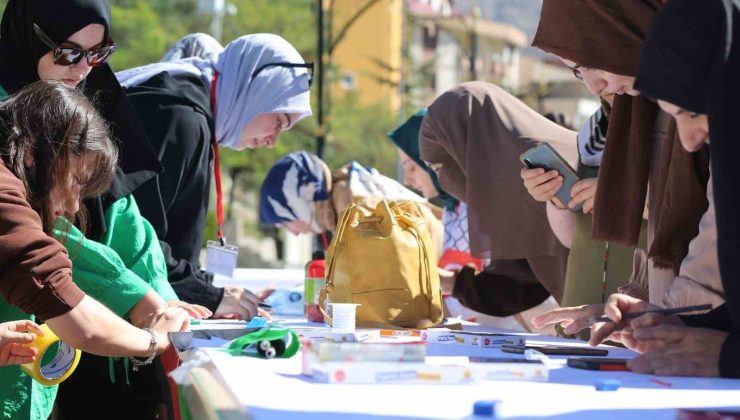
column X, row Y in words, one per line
column 240, row 97
column 291, row 189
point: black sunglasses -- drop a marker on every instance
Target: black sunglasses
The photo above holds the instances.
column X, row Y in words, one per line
column 307, row 66
column 69, row 56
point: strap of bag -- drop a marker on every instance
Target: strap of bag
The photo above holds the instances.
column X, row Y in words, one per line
column 337, row 240
column 729, row 28
column 423, row 254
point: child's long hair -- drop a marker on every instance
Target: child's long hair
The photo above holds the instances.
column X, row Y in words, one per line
column 57, row 128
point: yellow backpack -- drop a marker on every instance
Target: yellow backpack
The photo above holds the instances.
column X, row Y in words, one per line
column 384, row 260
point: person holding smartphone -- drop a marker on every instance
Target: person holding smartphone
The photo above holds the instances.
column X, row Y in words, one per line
column 679, row 62
column 461, row 274
column 643, row 147
column 472, row 136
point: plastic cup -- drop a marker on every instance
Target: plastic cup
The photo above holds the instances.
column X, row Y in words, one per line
column 344, row 316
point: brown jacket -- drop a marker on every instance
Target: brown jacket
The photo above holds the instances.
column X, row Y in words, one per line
column 35, row 271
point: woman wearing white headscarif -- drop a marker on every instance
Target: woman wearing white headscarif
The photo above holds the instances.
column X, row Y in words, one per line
column 258, row 87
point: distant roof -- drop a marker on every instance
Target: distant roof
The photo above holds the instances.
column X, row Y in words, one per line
column 419, row 8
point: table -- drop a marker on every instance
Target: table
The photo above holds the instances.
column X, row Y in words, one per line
column 275, row 389
column 257, row 278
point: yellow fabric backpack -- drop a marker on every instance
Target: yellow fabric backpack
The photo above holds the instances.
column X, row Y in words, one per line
column 384, row 260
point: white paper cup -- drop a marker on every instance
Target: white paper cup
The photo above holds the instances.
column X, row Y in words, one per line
column 344, row 316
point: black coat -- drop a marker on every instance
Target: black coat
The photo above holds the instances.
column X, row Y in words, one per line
column 725, row 149
column 721, row 107
column 176, row 115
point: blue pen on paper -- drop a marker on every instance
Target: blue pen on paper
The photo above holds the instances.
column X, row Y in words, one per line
column 671, row 311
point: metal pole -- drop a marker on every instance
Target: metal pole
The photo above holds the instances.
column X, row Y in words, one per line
column 217, row 20
column 402, row 81
column 475, row 16
column 320, row 130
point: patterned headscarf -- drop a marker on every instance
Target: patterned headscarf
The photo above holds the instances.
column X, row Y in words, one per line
column 291, row 189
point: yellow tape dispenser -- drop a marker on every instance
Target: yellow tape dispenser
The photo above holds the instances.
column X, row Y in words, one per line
column 60, row 367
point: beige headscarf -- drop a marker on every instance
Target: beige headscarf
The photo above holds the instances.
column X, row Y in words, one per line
column 477, row 131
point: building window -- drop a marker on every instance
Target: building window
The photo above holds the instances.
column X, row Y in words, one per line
column 429, row 38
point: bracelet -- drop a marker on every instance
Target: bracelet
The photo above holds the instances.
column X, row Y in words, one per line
column 152, row 349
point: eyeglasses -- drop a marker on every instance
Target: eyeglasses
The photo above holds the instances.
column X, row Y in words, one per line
column 69, row 56
column 307, row 66
column 577, row 72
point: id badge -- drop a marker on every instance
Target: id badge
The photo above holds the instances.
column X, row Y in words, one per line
column 221, row 259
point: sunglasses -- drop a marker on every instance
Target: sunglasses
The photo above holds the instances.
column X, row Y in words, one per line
column 69, row 56
column 307, row 66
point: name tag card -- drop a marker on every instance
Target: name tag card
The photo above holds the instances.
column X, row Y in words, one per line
column 221, row 259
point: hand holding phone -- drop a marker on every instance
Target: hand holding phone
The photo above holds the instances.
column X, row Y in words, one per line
column 545, row 157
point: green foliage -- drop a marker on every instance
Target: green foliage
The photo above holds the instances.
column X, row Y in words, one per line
column 294, row 20
column 137, row 30
column 359, row 133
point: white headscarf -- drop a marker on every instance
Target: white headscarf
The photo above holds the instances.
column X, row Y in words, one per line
column 274, row 89
column 194, row 45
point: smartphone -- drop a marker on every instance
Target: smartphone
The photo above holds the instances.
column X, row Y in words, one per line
column 598, row 363
column 545, row 157
column 504, row 360
column 556, row 350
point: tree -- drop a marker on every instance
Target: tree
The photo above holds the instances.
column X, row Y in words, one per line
column 138, row 32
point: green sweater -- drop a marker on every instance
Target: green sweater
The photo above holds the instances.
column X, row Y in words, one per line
column 117, row 271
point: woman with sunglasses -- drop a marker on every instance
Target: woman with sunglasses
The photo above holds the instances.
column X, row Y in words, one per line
column 258, row 87
column 122, row 265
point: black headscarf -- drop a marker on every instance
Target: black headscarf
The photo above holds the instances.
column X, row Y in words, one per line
column 20, row 52
column 724, row 91
column 21, row 49
column 679, row 53
column 683, row 62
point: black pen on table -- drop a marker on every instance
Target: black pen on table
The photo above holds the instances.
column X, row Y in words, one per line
column 671, row 311
column 264, row 306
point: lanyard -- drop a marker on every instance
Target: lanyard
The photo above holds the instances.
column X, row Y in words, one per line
column 217, row 168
